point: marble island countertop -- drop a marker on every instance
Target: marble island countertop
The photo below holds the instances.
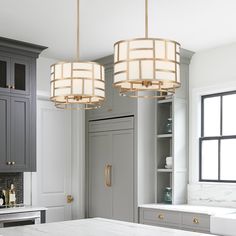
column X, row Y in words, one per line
column 94, row 227
column 191, row 208
column 21, row 209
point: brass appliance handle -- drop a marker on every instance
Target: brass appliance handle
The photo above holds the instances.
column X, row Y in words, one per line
column 108, row 175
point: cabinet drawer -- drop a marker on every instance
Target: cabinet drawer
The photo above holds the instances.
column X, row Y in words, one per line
column 196, row 221
column 161, row 216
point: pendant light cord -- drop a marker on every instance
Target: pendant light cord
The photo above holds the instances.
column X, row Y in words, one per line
column 78, row 28
column 146, row 18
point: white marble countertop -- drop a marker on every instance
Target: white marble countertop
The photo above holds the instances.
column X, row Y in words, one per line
column 191, row 208
column 94, row 227
column 21, row 209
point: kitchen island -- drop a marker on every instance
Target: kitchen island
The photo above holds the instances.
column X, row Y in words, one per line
column 94, row 227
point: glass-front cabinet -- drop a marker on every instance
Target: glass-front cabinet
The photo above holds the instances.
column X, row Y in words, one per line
column 14, row 76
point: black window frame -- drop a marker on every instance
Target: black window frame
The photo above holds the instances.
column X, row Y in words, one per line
column 219, row 138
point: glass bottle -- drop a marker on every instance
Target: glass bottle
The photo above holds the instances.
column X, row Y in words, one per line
column 168, row 195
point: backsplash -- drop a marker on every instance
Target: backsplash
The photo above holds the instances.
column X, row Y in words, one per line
column 222, row 195
column 6, row 179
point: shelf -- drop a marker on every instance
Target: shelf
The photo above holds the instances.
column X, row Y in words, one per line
column 165, row 170
column 169, row 100
column 164, row 136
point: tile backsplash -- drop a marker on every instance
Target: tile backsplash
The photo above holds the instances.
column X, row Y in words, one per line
column 6, row 179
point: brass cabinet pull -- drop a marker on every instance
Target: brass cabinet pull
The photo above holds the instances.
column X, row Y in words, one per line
column 13, row 86
column 13, row 163
column 108, row 175
column 8, row 163
column 161, row 217
column 196, row 221
column 8, row 86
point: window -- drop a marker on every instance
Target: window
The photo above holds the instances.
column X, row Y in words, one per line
column 218, row 138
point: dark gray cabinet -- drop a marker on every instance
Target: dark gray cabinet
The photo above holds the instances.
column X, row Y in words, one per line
column 4, row 132
column 18, row 105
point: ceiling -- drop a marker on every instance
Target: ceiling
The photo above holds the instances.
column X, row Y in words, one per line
column 196, row 24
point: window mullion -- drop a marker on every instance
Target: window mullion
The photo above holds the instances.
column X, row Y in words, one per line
column 221, row 115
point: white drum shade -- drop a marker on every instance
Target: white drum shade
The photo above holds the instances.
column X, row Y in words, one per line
column 146, row 64
column 77, row 83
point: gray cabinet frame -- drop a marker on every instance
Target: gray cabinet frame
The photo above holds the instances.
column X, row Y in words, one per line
column 21, row 107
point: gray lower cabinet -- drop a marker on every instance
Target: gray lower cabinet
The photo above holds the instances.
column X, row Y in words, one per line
column 175, row 219
column 4, row 132
column 111, row 163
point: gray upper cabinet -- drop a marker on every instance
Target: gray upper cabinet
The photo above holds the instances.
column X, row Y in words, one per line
column 5, row 74
column 18, row 105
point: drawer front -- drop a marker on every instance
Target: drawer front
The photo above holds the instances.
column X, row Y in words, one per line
column 196, row 221
column 161, row 216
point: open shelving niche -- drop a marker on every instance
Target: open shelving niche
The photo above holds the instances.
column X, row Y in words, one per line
column 171, row 144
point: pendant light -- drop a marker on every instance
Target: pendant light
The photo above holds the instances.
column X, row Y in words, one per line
column 147, row 64
column 77, row 85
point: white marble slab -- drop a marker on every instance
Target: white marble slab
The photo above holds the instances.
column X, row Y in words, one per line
column 191, row 208
column 21, row 209
column 212, row 194
column 94, row 227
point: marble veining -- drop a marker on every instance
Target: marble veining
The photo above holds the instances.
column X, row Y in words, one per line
column 94, row 227
column 222, row 195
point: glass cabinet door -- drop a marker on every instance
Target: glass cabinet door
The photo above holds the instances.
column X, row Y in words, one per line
column 20, row 77
column 4, row 74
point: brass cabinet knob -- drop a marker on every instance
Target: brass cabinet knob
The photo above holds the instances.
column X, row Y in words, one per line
column 70, row 199
column 8, row 163
column 13, row 86
column 196, row 221
column 8, row 86
column 13, row 163
column 161, row 217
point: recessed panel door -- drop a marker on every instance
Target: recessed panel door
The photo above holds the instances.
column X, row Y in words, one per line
column 4, row 132
column 100, row 179
column 4, row 74
column 123, row 175
column 20, row 134
column 20, row 76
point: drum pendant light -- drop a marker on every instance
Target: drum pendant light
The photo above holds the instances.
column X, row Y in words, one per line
column 147, row 64
column 78, row 85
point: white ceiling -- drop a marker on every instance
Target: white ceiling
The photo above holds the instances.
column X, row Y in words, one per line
column 196, row 24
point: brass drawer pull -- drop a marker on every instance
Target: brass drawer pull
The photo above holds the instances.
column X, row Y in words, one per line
column 107, row 174
column 196, row 221
column 161, row 217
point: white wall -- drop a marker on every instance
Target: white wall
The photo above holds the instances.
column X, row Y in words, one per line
column 43, row 73
column 78, row 134
column 211, row 71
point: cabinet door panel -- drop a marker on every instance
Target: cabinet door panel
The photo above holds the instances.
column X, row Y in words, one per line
column 4, row 74
column 20, row 77
column 122, row 175
column 100, row 196
column 20, row 133
column 4, row 132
